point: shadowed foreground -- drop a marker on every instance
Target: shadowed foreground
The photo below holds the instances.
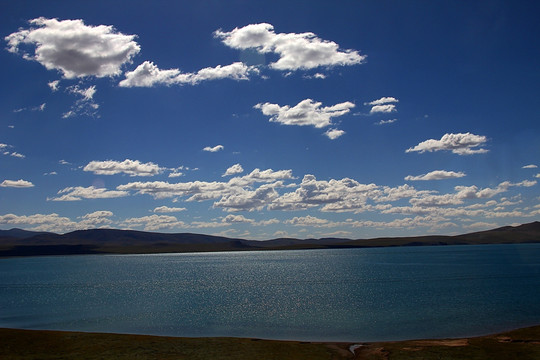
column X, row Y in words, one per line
column 32, row 344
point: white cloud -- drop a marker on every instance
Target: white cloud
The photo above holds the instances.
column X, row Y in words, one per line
column 296, row 51
column 147, row 75
column 166, row 209
column 153, row 222
column 85, row 105
column 436, row 175
column 334, row 195
column 461, row 144
column 214, row 149
column 233, row 170
column 78, row 193
column 73, row 48
column 463, row 193
column 17, row 155
column 388, row 108
column 4, row 151
column 258, row 175
column 54, row 85
column 334, row 133
column 315, row 76
column 237, row 190
column 247, row 200
column 306, row 112
column 175, row 173
column 130, row 167
column 384, row 122
column 531, row 166
column 201, row 190
column 382, row 101
column 16, row 183
column 87, row 94
column 235, row 219
column 307, row 221
column 40, row 222
column 96, row 219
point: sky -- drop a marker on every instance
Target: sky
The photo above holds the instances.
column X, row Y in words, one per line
column 266, row 119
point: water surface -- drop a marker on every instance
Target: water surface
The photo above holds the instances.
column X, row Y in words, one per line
column 345, row 294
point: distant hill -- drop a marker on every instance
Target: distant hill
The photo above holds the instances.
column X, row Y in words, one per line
column 19, row 233
column 17, row 242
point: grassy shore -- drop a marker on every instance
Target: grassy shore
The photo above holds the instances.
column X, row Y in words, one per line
column 34, row 344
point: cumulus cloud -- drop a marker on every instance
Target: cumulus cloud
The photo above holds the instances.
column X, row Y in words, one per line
column 130, row 167
column 333, row 134
column 436, row 175
column 78, row 193
column 387, row 108
column 73, row 48
column 214, row 148
column 166, row 209
column 148, row 74
column 16, row 184
column 233, row 170
column 306, row 112
column 247, row 200
column 334, row 195
column 531, row 166
column 295, row 51
column 461, row 144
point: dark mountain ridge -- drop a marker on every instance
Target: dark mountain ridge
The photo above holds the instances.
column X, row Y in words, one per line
column 17, row 242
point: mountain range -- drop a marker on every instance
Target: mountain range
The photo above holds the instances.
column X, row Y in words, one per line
column 18, row 242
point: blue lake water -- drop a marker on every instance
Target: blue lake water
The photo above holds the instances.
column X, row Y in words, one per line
column 344, row 295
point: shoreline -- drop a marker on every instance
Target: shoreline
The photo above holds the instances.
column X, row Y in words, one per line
column 47, row 344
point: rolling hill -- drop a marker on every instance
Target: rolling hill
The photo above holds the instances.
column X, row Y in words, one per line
column 17, row 242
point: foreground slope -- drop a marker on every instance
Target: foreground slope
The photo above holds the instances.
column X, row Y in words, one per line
column 32, row 344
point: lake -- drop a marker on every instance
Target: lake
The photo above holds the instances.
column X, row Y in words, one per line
column 328, row 295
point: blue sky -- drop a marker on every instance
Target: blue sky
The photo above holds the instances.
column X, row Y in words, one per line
column 261, row 119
